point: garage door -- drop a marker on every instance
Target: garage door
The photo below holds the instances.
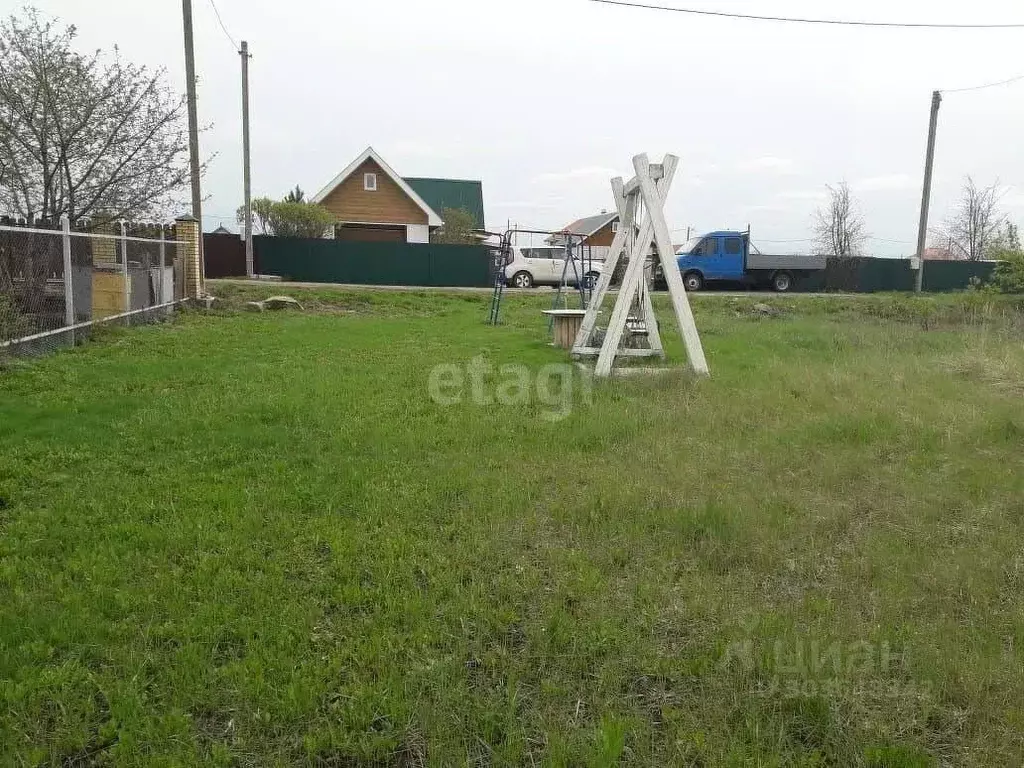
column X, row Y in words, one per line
column 368, row 234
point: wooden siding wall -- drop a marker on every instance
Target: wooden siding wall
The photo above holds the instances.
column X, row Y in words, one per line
column 388, row 205
column 604, row 236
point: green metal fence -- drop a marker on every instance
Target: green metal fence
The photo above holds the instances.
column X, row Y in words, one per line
column 341, row 261
column 956, row 275
column 867, row 275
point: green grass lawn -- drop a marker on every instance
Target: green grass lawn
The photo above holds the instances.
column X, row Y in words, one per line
column 254, row 539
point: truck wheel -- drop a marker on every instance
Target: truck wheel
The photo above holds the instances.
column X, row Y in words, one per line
column 522, row 280
column 590, row 280
column 782, row 282
column 693, row 281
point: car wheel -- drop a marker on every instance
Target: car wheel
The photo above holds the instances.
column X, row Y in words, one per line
column 782, row 282
column 590, row 280
column 693, row 281
column 522, row 280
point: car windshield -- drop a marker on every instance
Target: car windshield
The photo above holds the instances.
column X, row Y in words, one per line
column 689, row 245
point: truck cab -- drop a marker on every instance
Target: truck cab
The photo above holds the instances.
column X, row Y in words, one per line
column 728, row 256
column 714, row 256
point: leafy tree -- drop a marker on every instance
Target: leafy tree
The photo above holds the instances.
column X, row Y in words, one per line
column 261, row 210
column 84, row 134
column 296, row 195
column 299, row 219
column 288, row 217
column 457, row 228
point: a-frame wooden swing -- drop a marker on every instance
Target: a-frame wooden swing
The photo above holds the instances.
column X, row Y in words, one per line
column 641, row 206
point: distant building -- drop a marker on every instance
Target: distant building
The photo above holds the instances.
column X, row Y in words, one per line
column 373, row 203
column 596, row 230
column 942, row 254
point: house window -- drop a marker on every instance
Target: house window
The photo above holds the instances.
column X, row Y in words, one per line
column 615, row 226
column 370, row 182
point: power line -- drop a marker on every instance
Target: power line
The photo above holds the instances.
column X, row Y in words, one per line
column 221, row 22
column 1018, row 78
column 797, row 20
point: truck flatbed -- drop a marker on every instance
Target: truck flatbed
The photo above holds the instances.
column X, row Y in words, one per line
column 784, row 261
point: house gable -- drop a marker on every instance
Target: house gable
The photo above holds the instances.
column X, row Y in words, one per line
column 605, row 235
column 597, row 230
column 349, row 201
column 393, row 201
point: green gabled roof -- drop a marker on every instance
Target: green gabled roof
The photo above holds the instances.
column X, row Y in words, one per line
column 451, row 193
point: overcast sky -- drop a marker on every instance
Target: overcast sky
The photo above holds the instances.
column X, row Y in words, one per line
column 545, row 100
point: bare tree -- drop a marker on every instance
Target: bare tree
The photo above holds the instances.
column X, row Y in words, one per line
column 839, row 229
column 83, row 135
column 976, row 222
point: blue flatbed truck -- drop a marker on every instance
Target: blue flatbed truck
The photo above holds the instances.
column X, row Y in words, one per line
column 729, row 257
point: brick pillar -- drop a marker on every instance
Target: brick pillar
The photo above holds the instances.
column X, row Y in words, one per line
column 104, row 250
column 187, row 234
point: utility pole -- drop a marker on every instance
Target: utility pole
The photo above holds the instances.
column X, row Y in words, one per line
column 193, row 126
column 926, row 194
column 246, row 176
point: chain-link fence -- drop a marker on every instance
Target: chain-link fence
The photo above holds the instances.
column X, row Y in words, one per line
column 57, row 283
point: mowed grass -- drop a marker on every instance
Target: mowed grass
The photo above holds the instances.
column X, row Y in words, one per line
column 254, row 540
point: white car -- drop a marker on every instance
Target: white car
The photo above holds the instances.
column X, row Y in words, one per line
column 544, row 266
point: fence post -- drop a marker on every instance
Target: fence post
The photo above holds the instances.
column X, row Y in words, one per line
column 163, row 265
column 124, row 271
column 189, row 232
column 69, row 288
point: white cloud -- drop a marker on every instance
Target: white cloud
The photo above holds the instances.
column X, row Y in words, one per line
column 768, row 164
column 586, row 173
column 885, row 183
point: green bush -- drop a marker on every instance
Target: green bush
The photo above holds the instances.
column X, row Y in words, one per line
column 1009, row 275
column 13, row 324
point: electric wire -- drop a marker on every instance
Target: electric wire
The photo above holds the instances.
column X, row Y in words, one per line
column 799, row 20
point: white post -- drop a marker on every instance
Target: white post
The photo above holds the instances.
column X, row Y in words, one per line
column 69, row 289
column 163, row 266
column 124, row 271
